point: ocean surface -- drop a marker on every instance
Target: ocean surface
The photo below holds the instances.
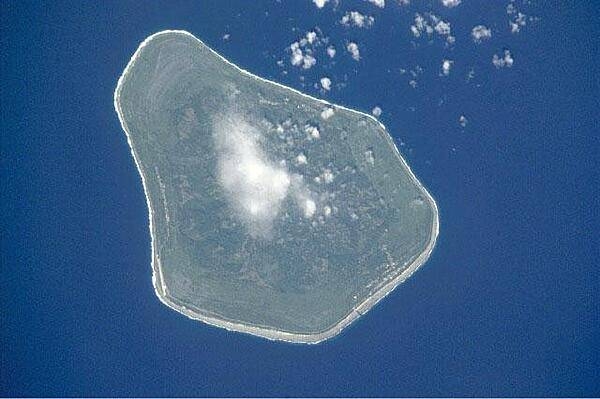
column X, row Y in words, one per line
column 508, row 303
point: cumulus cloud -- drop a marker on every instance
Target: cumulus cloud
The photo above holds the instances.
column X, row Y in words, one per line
column 353, row 50
column 301, row 159
column 376, row 111
column 446, row 66
column 254, row 186
column 326, row 83
column 313, row 131
column 443, row 28
column 518, row 22
column 451, row 3
column 354, row 18
column 320, row 3
column 378, row 3
column 517, row 19
column 311, row 37
column 503, row 61
column 480, row 33
column 331, row 51
column 429, row 24
column 327, row 113
column 301, row 58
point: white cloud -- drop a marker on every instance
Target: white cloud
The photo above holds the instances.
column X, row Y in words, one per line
column 378, row 3
column 327, row 113
column 301, row 159
column 463, row 121
column 326, row 83
column 302, row 57
column 480, row 33
column 419, row 26
column 519, row 22
column 311, row 37
column 327, row 176
column 254, row 186
column 312, row 131
column 376, row 112
column 353, row 50
column 320, row 3
column 308, row 61
column 446, row 66
column 518, row 19
column 429, row 24
column 451, row 3
column 443, row 28
column 354, row 18
column 331, row 51
column 503, row 61
column 309, row 208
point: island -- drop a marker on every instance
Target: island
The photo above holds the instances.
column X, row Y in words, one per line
column 271, row 212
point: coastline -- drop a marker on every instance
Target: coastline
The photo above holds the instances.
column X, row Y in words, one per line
column 312, row 338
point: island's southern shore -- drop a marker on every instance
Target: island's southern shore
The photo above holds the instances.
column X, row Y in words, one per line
column 197, row 314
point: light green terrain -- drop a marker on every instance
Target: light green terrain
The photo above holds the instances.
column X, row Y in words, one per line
column 271, row 212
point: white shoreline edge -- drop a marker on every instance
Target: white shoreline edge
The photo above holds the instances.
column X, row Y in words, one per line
column 158, row 280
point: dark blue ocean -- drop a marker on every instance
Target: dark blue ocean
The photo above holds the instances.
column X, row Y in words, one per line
column 508, row 303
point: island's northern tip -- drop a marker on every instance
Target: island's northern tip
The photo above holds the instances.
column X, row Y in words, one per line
column 271, row 212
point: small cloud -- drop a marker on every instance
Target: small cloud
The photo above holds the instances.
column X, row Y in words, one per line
column 505, row 61
column 331, row 51
column 326, row 83
column 327, row 113
column 519, row 22
column 446, row 66
column 353, row 50
column 463, row 121
column 320, row 3
column 451, row 3
column 376, row 112
column 301, row 159
column 429, row 24
column 354, row 18
column 378, row 3
column 313, row 131
column 443, row 28
column 480, row 33
column 302, row 51
column 226, row 36
column 309, row 208
column 518, row 19
column 255, row 187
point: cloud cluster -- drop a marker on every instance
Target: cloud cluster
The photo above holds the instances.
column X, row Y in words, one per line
column 302, row 51
column 255, row 187
column 326, row 83
column 378, row 3
column 356, row 19
column 504, row 61
column 430, row 23
column 451, row 3
column 480, row 33
column 353, row 50
column 320, row 3
column 446, row 66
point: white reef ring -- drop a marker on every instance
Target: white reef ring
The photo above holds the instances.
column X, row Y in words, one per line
column 360, row 309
